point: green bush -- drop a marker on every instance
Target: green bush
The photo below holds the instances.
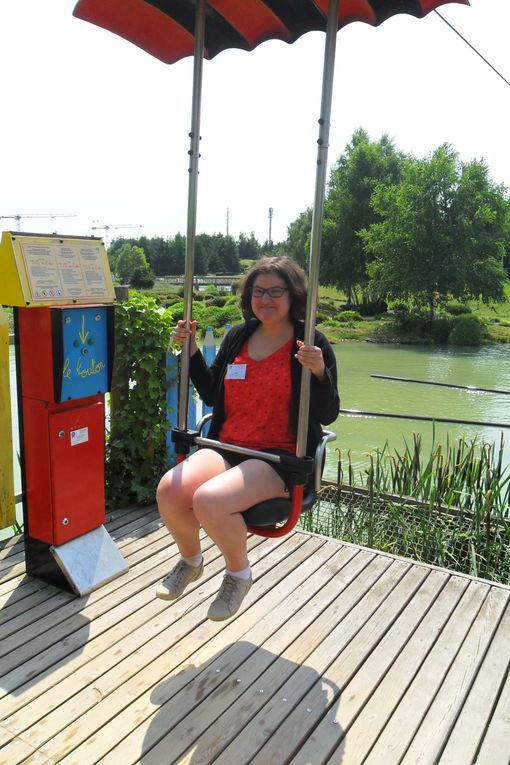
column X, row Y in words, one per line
column 457, row 309
column 467, row 330
column 441, row 328
column 142, row 276
column 136, row 442
column 349, row 316
column 219, row 300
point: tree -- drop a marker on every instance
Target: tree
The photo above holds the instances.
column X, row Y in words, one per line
column 129, row 258
column 298, row 237
column 248, row 248
column 229, row 255
column 440, row 234
column 142, row 277
column 347, row 211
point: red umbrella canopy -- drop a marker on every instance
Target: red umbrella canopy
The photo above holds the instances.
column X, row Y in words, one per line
column 164, row 28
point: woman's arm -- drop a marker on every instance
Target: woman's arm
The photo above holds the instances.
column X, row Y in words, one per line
column 205, row 379
column 324, row 398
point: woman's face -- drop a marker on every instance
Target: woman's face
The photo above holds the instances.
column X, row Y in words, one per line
column 270, row 309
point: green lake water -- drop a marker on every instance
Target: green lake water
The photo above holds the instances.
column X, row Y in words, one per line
column 487, row 367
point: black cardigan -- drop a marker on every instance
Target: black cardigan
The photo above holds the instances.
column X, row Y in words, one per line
column 324, row 398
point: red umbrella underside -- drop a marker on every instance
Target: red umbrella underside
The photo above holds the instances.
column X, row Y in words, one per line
column 164, row 28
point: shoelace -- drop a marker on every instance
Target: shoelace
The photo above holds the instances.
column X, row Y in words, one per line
column 177, row 575
column 228, row 588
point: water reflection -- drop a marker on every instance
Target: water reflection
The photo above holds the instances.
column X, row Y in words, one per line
column 487, row 367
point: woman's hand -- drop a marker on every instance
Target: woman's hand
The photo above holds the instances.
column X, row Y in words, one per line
column 310, row 356
column 181, row 333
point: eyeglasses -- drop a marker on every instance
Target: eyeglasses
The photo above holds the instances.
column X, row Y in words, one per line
column 273, row 292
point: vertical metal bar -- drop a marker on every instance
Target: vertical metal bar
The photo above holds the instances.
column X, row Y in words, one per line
column 7, row 508
column 194, row 153
column 318, row 213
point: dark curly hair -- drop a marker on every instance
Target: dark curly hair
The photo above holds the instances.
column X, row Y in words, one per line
column 288, row 270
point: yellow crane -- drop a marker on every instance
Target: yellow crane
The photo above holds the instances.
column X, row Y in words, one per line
column 19, row 216
column 106, row 228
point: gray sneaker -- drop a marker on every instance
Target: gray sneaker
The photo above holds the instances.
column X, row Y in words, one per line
column 178, row 579
column 229, row 598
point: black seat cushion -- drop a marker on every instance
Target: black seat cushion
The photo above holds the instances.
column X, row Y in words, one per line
column 276, row 510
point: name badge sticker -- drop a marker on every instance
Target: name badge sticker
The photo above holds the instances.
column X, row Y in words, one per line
column 236, row 372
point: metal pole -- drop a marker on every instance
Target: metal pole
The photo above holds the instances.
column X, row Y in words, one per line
column 192, row 204
column 318, row 212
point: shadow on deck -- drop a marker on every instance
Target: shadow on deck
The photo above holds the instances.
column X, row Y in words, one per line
column 340, row 655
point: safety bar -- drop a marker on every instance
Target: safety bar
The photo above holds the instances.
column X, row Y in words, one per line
column 327, row 437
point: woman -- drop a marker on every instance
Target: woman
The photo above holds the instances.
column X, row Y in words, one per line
column 253, row 386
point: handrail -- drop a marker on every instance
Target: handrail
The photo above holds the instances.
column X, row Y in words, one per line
column 470, row 388
column 364, row 413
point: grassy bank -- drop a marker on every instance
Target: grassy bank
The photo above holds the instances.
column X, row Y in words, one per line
column 386, row 328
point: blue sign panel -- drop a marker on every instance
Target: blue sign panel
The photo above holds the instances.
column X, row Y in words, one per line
column 85, row 352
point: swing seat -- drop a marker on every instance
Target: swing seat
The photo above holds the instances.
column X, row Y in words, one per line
column 278, row 510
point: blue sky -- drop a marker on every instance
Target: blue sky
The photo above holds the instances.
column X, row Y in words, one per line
column 93, row 126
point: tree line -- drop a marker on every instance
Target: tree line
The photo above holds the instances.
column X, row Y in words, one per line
column 397, row 227
column 138, row 260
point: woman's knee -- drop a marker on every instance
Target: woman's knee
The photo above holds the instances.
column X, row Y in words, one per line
column 207, row 506
column 171, row 491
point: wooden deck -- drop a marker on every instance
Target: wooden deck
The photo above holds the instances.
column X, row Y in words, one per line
column 340, row 655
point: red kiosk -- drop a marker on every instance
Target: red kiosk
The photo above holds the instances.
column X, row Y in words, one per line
column 63, row 296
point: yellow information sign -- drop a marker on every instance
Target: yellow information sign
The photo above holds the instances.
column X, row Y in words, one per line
column 42, row 270
column 7, row 511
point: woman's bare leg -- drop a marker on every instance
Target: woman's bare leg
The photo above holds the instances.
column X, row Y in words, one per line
column 175, row 497
column 218, row 502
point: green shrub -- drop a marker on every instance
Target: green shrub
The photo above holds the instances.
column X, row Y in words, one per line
column 348, row 316
column 441, row 328
column 219, row 300
column 467, row 330
column 457, row 309
column 136, row 442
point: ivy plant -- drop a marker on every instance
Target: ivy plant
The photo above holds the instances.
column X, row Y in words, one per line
column 136, row 442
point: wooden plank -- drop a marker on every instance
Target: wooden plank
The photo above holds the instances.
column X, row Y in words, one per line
column 90, row 606
column 9, row 601
column 20, row 588
column 475, row 715
column 428, row 740
column 15, row 570
column 22, row 616
column 117, row 646
column 70, row 642
column 225, row 659
column 17, row 556
column 158, row 683
column 136, row 675
column 307, row 712
column 372, row 719
column 28, row 702
column 357, row 675
column 19, row 751
column 18, row 615
column 10, row 546
column 413, row 681
column 40, row 590
column 494, row 750
column 243, row 725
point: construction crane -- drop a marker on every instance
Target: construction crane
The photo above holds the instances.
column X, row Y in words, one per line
column 18, row 216
column 106, row 229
